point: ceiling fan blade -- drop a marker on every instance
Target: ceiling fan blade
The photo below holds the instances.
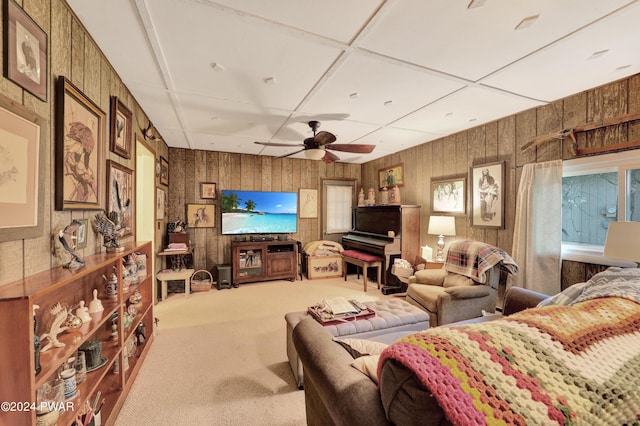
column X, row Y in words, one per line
column 292, row 153
column 330, row 157
column 278, row 144
column 354, row 147
column 324, row 138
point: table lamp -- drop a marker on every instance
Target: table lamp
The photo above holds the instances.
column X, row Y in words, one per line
column 623, row 241
column 441, row 226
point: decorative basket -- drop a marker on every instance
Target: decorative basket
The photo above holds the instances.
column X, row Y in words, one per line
column 201, row 284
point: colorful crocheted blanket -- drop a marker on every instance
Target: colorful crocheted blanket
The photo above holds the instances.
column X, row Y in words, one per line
column 473, row 259
column 566, row 365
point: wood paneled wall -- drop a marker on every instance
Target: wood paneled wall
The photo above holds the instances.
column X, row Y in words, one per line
column 502, row 140
column 188, row 168
column 74, row 54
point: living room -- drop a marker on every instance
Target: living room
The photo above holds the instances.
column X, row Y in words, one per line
column 74, row 53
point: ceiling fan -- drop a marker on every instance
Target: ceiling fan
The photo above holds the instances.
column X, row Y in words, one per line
column 318, row 146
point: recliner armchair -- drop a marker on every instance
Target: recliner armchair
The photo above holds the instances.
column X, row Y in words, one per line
column 448, row 296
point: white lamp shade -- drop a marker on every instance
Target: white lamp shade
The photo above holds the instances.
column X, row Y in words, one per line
column 623, row 241
column 314, row 154
column 442, row 225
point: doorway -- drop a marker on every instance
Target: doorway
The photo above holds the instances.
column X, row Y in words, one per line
column 145, row 199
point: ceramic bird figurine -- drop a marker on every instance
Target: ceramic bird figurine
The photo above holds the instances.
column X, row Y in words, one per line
column 109, row 230
column 59, row 314
column 67, row 238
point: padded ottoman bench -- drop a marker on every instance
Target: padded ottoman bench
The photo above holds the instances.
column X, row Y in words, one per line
column 392, row 317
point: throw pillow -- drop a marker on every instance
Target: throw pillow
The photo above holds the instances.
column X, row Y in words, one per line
column 361, row 347
column 368, row 365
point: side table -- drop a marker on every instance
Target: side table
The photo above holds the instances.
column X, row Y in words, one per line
column 183, row 274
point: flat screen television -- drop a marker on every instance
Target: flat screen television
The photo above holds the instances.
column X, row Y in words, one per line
column 259, row 212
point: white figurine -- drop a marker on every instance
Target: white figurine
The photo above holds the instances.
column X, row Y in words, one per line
column 59, row 315
column 82, row 312
column 96, row 305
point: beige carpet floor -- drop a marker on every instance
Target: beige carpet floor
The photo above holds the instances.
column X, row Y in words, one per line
column 219, row 357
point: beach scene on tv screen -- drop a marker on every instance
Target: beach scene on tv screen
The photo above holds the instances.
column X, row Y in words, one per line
column 259, row 212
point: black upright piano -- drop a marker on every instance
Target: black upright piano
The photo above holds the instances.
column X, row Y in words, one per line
column 389, row 231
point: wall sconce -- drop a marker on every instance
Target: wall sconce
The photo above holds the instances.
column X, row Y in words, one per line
column 441, row 226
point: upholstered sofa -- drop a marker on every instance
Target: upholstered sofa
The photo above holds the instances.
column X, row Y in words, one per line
column 571, row 359
column 338, row 394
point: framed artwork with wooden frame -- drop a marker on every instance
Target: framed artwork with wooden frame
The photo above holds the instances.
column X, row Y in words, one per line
column 201, row 215
column 487, row 202
column 391, row 176
column 164, row 171
column 160, row 203
column 23, row 147
column 448, row 196
column 25, row 51
column 81, row 233
column 121, row 196
column 120, row 128
column 80, row 134
column 208, row 190
column 308, row 201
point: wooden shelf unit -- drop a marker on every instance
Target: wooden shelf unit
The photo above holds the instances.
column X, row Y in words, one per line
column 264, row 260
column 68, row 286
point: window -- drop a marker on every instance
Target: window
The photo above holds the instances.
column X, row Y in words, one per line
column 338, row 198
column 596, row 191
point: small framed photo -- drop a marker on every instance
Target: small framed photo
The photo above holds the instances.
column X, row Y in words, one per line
column 121, row 195
column 391, row 176
column 449, row 196
column 25, row 51
column 201, row 215
column 487, row 206
column 80, row 134
column 308, row 203
column 120, row 128
column 164, row 171
column 81, row 233
column 161, row 203
column 208, row 190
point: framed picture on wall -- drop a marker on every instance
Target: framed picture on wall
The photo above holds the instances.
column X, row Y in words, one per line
column 164, row 171
column 449, row 196
column 121, row 195
column 487, row 206
column 81, row 233
column 79, row 165
column 201, row 215
column 391, row 176
column 208, row 190
column 25, row 51
column 308, row 203
column 120, row 128
column 22, row 190
column 160, row 203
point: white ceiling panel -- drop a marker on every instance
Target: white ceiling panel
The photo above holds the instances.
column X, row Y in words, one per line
column 439, row 66
column 361, row 87
column 467, row 108
column 334, row 19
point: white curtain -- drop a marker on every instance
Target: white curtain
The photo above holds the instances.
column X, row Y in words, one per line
column 537, row 238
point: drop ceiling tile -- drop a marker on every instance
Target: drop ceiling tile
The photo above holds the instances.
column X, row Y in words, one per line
column 467, row 108
column 335, row 19
column 472, row 43
column 248, row 53
column 567, row 67
column 385, row 90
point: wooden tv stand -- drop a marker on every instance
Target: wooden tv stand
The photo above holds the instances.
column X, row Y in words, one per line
column 264, row 260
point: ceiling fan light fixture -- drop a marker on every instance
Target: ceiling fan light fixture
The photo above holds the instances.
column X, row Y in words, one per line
column 314, row 154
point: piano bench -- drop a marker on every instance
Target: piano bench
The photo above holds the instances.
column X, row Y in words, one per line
column 364, row 261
